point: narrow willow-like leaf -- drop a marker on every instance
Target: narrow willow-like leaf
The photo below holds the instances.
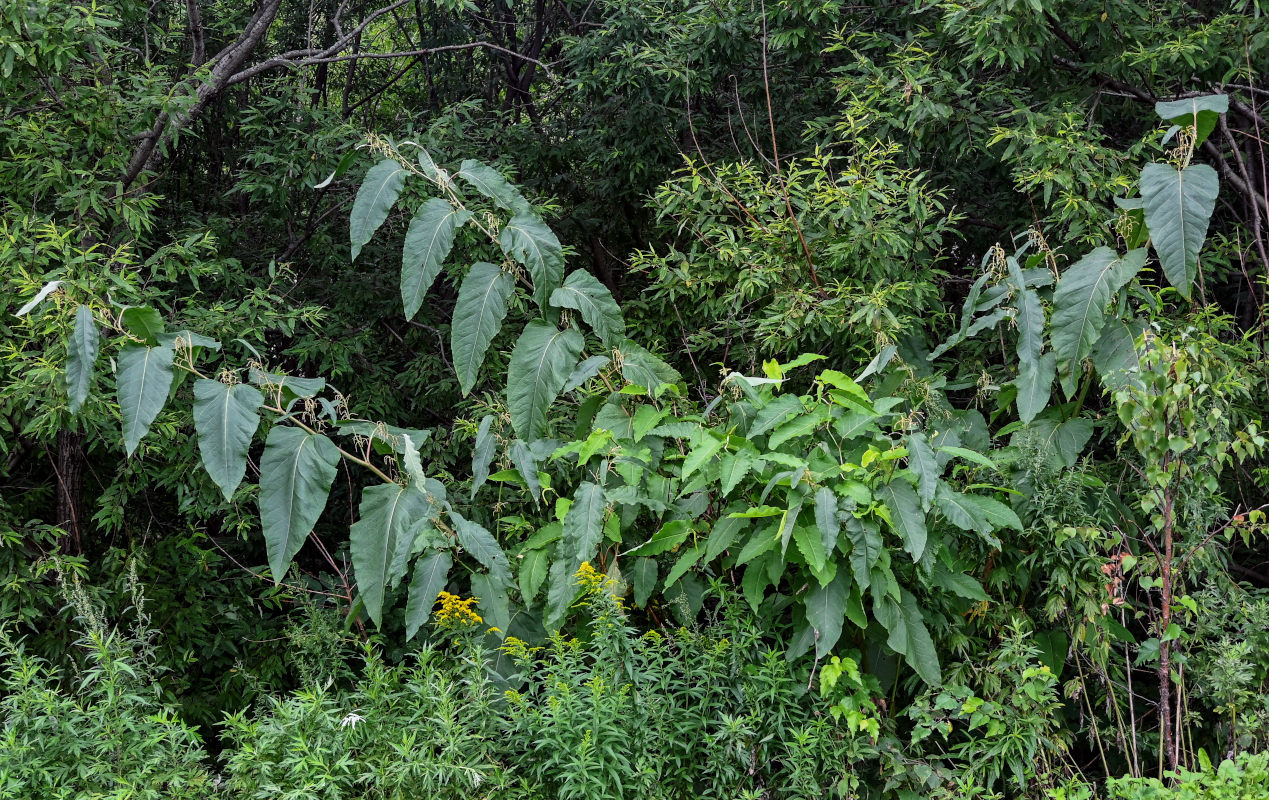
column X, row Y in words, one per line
column 1035, row 384
column 478, row 315
column 430, row 576
column 528, row 240
column 145, row 375
column 225, row 417
column 826, row 611
column 296, row 472
column 81, row 355
column 906, row 516
column 482, row 453
column 540, row 364
column 584, row 293
column 428, row 241
column 490, row 182
column 583, row 524
column 1178, row 206
column 387, row 513
column 40, row 296
column 378, row 192
column 1081, row 296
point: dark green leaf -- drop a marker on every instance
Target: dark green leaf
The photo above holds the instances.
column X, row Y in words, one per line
column 906, row 517
column 81, row 355
column 540, row 364
column 1178, row 206
column 428, row 241
column 430, row 576
column 387, row 514
column 584, row 293
column 375, row 198
column 225, row 417
column 144, row 377
column 529, row 241
column 296, row 472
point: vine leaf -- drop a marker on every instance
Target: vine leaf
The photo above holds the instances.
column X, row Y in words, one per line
column 540, row 364
column 387, row 513
column 296, row 472
column 145, row 375
column 378, row 192
column 430, row 575
column 478, row 315
column 428, row 241
column 528, row 240
column 584, row 293
column 1178, row 206
column 225, row 417
column 81, row 354
column 1079, row 301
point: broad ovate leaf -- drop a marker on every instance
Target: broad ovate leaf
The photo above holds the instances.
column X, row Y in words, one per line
column 144, row 377
column 541, row 362
column 906, row 517
column 387, row 514
column 584, row 293
column 1035, row 384
column 296, row 472
column 478, row 315
column 1081, row 296
column 1178, row 206
column 431, row 573
column 490, row 182
column 428, row 241
column 225, row 417
column 378, row 192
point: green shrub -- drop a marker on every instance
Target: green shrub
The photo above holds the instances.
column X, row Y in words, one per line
column 1243, row 778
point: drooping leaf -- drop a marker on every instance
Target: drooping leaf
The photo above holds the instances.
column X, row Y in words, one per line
column 532, row 573
column 225, row 417
column 428, row 241
column 826, row 611
column 143, row 322
column 826, row 517
column 430, row 576
column 584, row 524
column 972, row 512
column 478, row 314
column 482, row 546
column 924, row 464
column 590, row 298
column 375, row 198
column 705, row 445
column 958, row 583
column 1178, row 206
column 296, row 472
column 482, row 453
column 643, row 579
column 560, row 596
column 687, row 559
column 811, row 545
column 1115, row 356
column 40, row 297
column 1035, row 384
column 490, row 182
column 81, row 356
column 528, row 240
column 774, row 413
column 906, row 516
column 1079, row 301
column 540, row 363
column 640, row 367
column 865, row 548
column 721, row 536
column 492, row 600
column 671, row 535
column 144, row 377
column 1201, row 112
column 920, row 652
column 387, row 513
column 584, row 371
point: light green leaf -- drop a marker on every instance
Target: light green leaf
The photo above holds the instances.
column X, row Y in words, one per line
column 801, row 425
column 671, row 535
column 296, row 472
column 540, row 364
column 431, row 573
column 81, row 355
column 490, row 182
column 1079, row 301
column 386, row 515
column 225, row 417
column 478, row 314
column 826, row 611
column 428, row 241
column 968, row 455
column 529, row 241
column 705, row 445
column 144, row 323
column 1035, row 383
column 1178, row 206
column 374, row 200
column 584, row 293
column 774, row 413
column 906, row 517
column 144, row 377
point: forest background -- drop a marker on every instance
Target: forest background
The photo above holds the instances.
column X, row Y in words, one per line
column 601, row 399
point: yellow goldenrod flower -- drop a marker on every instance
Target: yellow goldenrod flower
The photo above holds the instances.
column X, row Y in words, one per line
column 455, row 612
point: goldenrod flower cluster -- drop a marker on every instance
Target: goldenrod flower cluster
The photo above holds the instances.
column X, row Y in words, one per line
column 590, row 578
column 455, row 612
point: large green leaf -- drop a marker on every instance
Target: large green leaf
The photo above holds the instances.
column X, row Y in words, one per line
column 490, row 182
column 296, row 472
column 532, row 573
column 481, row 454
column 1079, row 301
column 428, row 241
column 374, row 200
column 529, row 241
column 540, row 364
column 1115, row 355
column 590, row 298
column 640, row 367
column 1178, row 206
column 478, row 314
column 225, row 417
column 564, row 588
column 143, row 322
column 492, row 600
column 144, row 377
column 387, row 513
column 583, row 524
column 826, row 518
column 1201, row 112
column 976, row 513
column 906, row 516
column 430, row 576
column 1035, row 384
column 826, row 611
column 81, row 355
column 924, row 464
column 920, row 652
column 482, row 546
column 865, row 548
column 671, row 535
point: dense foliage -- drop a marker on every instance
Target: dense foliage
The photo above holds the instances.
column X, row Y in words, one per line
column 616, row 399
